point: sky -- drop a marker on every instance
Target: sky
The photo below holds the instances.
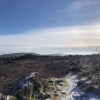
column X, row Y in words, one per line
column 50, row 26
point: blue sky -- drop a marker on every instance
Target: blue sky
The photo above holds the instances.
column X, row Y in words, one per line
column 41, row 25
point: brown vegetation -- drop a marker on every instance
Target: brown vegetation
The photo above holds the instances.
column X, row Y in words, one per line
column 15, row 69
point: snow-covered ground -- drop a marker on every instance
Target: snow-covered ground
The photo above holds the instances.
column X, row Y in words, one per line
column 72, row 92
column 75, row 93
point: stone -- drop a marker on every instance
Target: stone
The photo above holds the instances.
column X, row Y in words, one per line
column 11, row 97
column 1, row 98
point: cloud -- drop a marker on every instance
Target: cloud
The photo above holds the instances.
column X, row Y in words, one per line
column 52, row 38
column 80, row 12
column 81, row 6
column 78, row 5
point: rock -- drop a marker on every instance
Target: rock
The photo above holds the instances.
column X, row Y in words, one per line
column 11, row 97
column 51, row 82
column 32, row 86
column 1, row 98
column 63, row 93
column 46, row 96
column 52, row 88
column 60, row 82
column 56, row 95
column 34, row 75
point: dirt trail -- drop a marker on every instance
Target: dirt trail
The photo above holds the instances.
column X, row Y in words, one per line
column 70, row 91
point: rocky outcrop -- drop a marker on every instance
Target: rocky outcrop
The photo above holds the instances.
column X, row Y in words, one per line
column 28, row 89
column 32, row 88
column 35, row 87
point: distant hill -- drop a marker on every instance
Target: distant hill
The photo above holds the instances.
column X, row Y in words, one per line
column 22, row 54
column 16, row 55
column 57, row 54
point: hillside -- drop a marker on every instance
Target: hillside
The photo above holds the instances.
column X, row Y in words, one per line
column 57, row 77
column 15, row 55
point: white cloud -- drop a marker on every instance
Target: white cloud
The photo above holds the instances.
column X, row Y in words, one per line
column 65, row 37
column 80, row 4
